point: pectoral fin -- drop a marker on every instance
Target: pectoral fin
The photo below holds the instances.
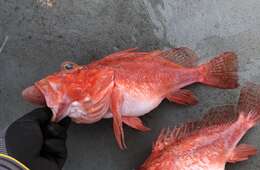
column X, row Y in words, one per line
column 136, row 123
column 116, row 101
column 183, row 96
column 242, row 153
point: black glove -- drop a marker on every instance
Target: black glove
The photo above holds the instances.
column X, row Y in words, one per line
column 36, row 142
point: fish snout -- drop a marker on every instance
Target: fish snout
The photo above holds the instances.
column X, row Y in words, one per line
column 33, row 95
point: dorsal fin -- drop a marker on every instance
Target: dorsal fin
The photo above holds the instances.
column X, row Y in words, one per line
column 125, row 54
column 125, row 51
column 122, row 53
column 216, row 116
column 182, row 56
column 168, row 136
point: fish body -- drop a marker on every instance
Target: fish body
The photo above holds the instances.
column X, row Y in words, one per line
column 128, row 84
column 144, row 82
column 212, row 142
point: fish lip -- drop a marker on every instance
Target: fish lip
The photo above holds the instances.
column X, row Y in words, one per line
column 54, row 100
column 42, row 85
column 33, row 95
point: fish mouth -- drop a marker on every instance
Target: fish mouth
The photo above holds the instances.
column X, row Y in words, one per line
column 43, row 94
column 33, row 95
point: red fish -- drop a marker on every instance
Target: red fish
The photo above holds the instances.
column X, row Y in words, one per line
column 129, row 84
column 210, row 143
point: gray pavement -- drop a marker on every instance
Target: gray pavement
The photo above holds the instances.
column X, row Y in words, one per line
column 42, row 35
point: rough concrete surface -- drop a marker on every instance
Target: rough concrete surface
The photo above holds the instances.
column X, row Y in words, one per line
column 41, row 36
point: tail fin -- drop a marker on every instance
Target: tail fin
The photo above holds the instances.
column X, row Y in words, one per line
column 249, row 103
column 221, row 71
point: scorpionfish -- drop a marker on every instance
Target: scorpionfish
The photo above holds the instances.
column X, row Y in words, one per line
column 129, row 84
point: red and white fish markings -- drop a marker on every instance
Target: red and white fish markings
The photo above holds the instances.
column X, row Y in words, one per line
column 212, row 142
column 128, row 84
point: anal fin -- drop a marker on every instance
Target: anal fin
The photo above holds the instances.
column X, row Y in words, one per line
column 136, row 123
column 183, row 96
column 242, row 153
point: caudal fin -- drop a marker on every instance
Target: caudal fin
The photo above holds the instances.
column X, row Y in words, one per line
column 249, row 103
column 221, row 71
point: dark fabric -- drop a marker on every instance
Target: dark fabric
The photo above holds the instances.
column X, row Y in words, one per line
column 36, row 142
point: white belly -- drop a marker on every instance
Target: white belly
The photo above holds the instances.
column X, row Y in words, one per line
column 136, row 106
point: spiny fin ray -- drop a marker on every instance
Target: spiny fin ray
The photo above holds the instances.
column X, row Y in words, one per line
column 182, row 56
column 216, row 116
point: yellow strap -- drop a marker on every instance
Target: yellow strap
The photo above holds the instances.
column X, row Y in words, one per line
column 13, row 159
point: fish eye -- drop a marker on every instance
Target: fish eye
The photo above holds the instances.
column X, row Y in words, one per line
column 68, row 66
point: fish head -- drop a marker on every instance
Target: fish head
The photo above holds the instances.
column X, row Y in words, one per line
column 66, row 91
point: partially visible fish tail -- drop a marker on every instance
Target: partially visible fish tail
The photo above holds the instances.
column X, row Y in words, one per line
column 249, row 103
column 221, row 71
